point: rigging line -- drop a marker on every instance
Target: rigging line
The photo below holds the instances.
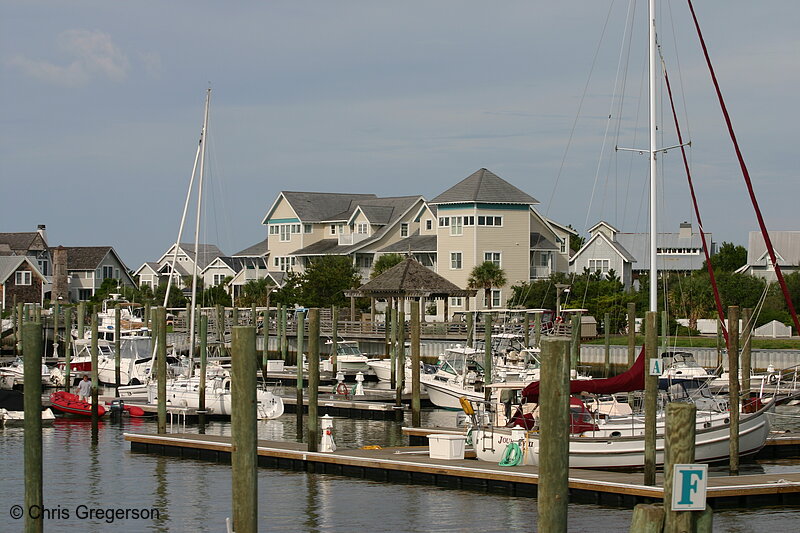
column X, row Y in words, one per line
column 580, row 107
column 709, row 265
column 621, row 105
column 746, row 175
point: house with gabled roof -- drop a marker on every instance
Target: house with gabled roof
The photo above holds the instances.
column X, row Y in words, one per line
column 786, row 245
column 32, row 244
column 158, row 272
column 20, row 281
column 89, row 266
column 486, row 218
column 604, row 253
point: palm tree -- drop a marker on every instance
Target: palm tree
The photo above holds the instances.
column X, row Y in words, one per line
column 485, row 276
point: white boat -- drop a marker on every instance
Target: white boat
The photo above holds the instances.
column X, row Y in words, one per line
column 13, row 374
column 348, row 357
column 184, row 392
column 683, row 365
column 135, row 360
column 459, row 373
column 12, row 409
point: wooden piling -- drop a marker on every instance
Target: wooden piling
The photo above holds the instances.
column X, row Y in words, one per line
column 68, row 349
column 607, row 343
column 704, row 522
column 720, row 343
column 401, row 357
column 335, row 337
column 679, row 436
column 313, row 380
column 220, row 323
column 32, row 350
column 301, row 317
column 650, row 399
column 553, row 492
column 81, row 318
column 244, row 458
column 575, row 348
column 747, row 335
column 526, row 330
column 117, row 346
column 415, row 362
column 664, row 331
column 537, row 330
column 95, row 379
column 631, row 333
column 235, row 316
column 56, row 327
column 147, row 315
column 284, row 337
column 393, row 349
column 201, row 400
column 470, row 329
column 733, row 386
column 647, row 518
column 161, row 367
column 487, row 355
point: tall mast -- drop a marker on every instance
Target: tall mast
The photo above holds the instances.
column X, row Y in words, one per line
column 653, row 168
column 203, row 137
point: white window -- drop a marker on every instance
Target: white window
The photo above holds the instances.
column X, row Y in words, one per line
column 361, row 228
column 493, row 257
column 296, row 228
column 428, row 224
column 444, row 222
column 333, row 229
column 456, row 226
column 23, row 277
column 89, row 274
column 490, row 221
column 340, row 229
column 364, row 261
column 469, row 221
column 496, row 297
column 603, row 265
column 286, row 233
column 455, row 260
column 273, row 229
column 404, row 229
column 308, row 228
column 108, row 272
column 219, row 278
column 456, row 301
column 563, row 244
column 284, row 263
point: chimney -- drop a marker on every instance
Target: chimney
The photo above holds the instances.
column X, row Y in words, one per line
column 686, row 231
column 42, row 229
column 60, row 288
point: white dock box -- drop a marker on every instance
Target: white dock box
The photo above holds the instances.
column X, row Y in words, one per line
column 446, row 446
column 275, row 365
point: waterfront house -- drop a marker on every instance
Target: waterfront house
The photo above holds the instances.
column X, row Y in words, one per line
column 158, row 272
column 88, row 266
column 787, row 252
column 32, row 244
column 20, row 281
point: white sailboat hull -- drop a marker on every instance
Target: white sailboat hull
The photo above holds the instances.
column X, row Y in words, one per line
column 185, row 393
column 447, row 395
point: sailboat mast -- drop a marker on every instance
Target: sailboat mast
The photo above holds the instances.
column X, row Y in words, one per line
column 193, row 310
column 653, row 167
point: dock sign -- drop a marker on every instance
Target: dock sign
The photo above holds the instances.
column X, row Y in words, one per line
column 655, row 367
column 689, row 483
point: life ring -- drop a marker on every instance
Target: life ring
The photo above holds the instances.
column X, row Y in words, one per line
column 466, row 405
column 341, row 389
column 559, row 319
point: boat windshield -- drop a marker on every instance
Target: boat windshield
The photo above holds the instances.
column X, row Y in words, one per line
column 347, row 348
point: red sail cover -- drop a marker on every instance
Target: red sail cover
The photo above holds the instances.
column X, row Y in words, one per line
column 630, row 380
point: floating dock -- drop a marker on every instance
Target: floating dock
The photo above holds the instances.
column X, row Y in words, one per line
column 413, row 465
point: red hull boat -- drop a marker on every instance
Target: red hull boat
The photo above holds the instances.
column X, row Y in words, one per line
column 71, row 403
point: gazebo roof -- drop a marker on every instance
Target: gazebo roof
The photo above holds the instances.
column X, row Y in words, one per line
column 409, row 279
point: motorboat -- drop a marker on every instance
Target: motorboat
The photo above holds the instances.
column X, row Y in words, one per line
column 12, row 408
column 66, row 402
column 13, row 374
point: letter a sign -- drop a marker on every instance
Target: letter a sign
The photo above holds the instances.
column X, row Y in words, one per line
column 655, row 367
column 689, row 483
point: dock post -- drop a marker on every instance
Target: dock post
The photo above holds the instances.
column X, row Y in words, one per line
column 254, row 317
column 679, row 439
column 733, row 386
column 20, row 322
column 95, row 380
column 537, row 330
column 631, row 333
column 607, row 357
column 401, row 360
column 244, row 458
column 650, row 399
column 487, row 355
column 387, row 332
column 470, row 329
column 705, row 521
column 393, row 348
column 301, row 331
column 664, row 331
column 201, row 400
column 526, row 330
column 147, row 315
column 265, row 324
column 56, row 323
column 67, row 348
column 161, row 367
column 575, row 349
column 117, row 346
column 416, row 404
column 81, row 318
column 313, row 379
column 32, row 350
column 747, row 335
column 16, row 319
column 720, row 343
column 235, row 317
column 284, row 338
column 219, row 322
column 553, row 492
column 335, row 337
column 647, row 518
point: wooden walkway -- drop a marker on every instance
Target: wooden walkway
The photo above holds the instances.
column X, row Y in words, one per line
column 413, row 465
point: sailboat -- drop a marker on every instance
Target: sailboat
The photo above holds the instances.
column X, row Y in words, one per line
column 184, row 391
column 616, row 441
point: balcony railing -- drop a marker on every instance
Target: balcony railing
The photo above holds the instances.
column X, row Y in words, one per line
column 541, row 272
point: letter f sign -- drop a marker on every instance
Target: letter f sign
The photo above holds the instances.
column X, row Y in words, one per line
column 689, row 483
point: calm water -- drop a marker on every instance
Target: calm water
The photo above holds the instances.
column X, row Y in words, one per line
column 190, row 495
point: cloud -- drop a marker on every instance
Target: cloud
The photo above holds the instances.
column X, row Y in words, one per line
column 95, row 56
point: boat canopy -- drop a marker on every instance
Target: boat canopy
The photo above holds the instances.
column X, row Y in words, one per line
column 630, row 380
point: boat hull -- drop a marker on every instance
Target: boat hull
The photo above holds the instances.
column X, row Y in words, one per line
column 71, row 404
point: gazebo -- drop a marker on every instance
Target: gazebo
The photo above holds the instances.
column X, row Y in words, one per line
column 409, row 279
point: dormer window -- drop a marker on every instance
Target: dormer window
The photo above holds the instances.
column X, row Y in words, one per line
column 404, row 229
column 361, row 228
column 428, row 224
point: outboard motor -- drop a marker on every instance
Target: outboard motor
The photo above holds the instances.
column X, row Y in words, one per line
column 117, row 408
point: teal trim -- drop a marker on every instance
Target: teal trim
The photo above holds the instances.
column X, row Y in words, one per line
column 496, row 207
column 282, row 220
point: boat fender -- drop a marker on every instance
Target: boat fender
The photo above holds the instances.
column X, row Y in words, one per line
column 466, row 405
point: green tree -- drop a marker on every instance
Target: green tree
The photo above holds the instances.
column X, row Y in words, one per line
column 176, row 297
column 325, row 281
column 291, row 292
column 728, row 258
column 576, row 242
column 692, row 297
column 384, row 263
column 216, row 295
column 255, row 292
column 486, row 276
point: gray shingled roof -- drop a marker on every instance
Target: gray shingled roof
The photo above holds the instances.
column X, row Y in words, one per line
column 377, row 214
column 324, row 247
column 319, row 206
column 414, row 243
column 10, row 263
column 256, row 250
column 238, row 263
column 410, row 278
column 19, row 241
column 638, row 246
column 785, row 243
column 484, row 186
column 206, row 253
column 85, row 257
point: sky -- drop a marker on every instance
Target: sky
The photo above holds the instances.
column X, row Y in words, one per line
column 103, row 103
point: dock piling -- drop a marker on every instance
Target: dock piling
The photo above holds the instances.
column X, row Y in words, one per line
column 487, row 354
column 244, row 456
column 301, row 317
column 415, row 349
column 650, row 399
column 117, row 346
column 67, row 349
column 95, row 379
column 201, row 400
column 313, row 380
column 161, row 366
column 679, row 439
column 32, row 350
column 733, row 386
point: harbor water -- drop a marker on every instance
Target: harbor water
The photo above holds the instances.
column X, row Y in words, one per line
column 104, row 487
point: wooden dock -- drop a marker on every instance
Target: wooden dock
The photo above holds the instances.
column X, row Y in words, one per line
column 413, row 465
